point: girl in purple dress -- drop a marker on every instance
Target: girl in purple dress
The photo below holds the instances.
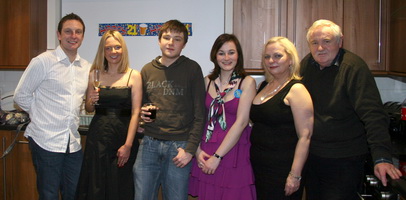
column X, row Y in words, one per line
column 221, row 168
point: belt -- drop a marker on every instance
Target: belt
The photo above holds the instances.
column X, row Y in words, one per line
column 157, row 139
column 113, row 111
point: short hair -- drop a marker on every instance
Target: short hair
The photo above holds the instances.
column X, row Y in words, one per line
column 71, row 16
column 220, row 41
column 325, row 23
column 175, row 26
column 290, row 50
column 100, row 61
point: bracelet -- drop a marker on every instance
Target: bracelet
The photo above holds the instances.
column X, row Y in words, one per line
column 217, row 156
column 298, row 178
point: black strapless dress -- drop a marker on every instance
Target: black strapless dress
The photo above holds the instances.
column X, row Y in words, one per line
column 100, row 177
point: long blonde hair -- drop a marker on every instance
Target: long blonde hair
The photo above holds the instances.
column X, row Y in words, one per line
column 290, row 49
column 100, row 61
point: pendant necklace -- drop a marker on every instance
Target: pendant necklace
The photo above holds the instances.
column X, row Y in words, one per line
column 273, row 91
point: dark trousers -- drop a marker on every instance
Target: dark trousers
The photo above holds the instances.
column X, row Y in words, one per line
column 56, row 172
column 334, row 178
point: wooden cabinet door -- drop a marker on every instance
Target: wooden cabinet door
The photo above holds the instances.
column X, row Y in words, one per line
column 364, row 31
column 302, row 14
column 18, row 178
column 255, row 21
column 363, row 24
column 397, row 53
column 24, row 35
column 23, row 173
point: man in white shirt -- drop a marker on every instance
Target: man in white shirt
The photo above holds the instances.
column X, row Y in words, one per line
column 51, row 90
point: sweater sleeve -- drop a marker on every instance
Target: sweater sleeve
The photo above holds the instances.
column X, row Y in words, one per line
column 198, row 93
column 366, row 100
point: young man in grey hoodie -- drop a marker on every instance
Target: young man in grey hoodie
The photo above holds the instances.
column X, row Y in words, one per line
column 175, row 84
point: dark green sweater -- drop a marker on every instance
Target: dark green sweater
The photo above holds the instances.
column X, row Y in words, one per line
column 348, row 111
column 178, row 90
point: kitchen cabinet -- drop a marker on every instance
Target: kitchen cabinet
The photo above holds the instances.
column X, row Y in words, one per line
column 362, row 21
column 17, row 176
column 397, row 61
column 24, row 25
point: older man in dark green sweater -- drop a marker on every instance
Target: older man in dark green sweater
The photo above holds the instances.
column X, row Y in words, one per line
column 349, row 118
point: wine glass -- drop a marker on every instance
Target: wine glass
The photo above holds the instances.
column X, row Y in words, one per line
column 96, row 81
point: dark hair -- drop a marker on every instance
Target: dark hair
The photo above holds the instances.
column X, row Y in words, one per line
column 71, row 16
column 175, row 26
column 239, row 67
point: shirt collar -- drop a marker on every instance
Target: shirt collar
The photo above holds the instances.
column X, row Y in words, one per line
column 61, row 55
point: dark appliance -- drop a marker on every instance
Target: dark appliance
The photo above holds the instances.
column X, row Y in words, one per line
column 372, row 188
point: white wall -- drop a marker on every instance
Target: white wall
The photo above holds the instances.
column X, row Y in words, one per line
column 207, row 18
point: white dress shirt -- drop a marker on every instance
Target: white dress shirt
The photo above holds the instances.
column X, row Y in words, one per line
column 51, row 91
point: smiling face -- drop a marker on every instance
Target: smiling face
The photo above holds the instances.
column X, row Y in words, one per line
column 171, row 44
column 324, row 46
column 227, row 56
column 276, row 60
column 71, row 36
column 113, row 51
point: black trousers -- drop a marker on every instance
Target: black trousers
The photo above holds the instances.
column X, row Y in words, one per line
column 334, row 178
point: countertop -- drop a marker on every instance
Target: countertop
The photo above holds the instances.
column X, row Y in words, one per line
column 82, row 129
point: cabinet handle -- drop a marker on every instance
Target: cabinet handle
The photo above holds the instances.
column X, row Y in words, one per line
column 294, row 21
column 4, row 170
column 280, row 17
column 380, row 32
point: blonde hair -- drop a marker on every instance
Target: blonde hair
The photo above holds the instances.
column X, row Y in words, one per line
column 325, row 23
column 290, row 50
column 100, row 61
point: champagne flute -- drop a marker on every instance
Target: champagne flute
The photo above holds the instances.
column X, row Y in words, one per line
column 96, row 81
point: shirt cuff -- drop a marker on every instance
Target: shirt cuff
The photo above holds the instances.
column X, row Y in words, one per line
column 383, row 160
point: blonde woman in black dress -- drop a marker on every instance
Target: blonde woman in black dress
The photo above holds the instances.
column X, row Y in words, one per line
column 282, row 113
column 111, row 147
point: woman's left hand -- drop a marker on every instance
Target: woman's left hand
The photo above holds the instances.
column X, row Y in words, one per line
column 292, row 185
column 211, row 165
column 123, row 154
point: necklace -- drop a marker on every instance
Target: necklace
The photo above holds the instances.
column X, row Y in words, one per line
column 273, row 91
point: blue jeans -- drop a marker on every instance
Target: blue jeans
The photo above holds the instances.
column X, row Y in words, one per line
column 56, row 171
column 154, row 167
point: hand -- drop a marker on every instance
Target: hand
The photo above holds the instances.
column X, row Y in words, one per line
column 182, row 159
column 202, row 157
column 291, row 186
column 382, row 169
column 211, row 165
column 145, row 111
column 123, row 154
column 94, row 95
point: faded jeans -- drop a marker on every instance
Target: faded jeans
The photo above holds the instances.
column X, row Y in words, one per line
column 154, row 167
